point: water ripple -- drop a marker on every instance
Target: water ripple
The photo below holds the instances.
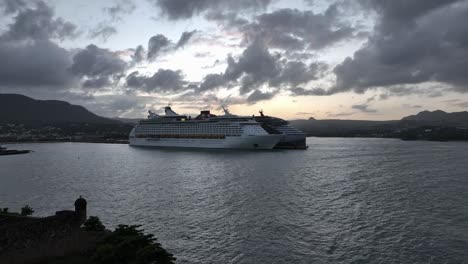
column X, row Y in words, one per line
column 340, row 201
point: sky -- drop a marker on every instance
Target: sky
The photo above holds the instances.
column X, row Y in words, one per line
column 295, row 59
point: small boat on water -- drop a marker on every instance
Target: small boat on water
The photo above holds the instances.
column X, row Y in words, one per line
column 5, row 151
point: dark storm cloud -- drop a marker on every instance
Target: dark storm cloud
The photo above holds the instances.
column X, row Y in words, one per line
column 29, row 58
column 161, row 81
column 212, row 81
column 290, row 29
column 295, row 29
column 257, row 65
column 157, row 44
column 103, row 32
column 364, row 108
column 97, row 62
column 38, row 23
column 295, row 73
column 183, row 9
column 395, row 13
column 258, row 95
column 34, row 64
column 12, row 6
column 413, row 42
column 184, row 38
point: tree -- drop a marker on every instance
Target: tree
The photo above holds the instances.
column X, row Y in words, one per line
column 93, row 224
column 26, row 210
column 128, row 244
column 5, row 210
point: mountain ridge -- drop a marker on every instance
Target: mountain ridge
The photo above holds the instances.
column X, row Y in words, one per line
column 339, row 127
column 24, row 109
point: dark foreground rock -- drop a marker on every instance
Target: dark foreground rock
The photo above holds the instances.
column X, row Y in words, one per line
column 67, row 237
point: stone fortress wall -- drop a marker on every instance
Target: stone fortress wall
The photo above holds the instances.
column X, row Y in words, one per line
column 29, row 239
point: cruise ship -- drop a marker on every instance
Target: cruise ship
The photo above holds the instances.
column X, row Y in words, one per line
column 292, row 138
column 227, row 131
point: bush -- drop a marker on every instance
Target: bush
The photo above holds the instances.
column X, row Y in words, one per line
column 93, row 224
column 5, row 210
column 26, row 210
column 128, row 244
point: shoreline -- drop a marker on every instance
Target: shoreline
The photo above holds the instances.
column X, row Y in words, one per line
column 13, row 152
column 66, row 141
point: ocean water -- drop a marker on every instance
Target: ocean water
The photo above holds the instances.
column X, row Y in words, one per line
column 340, row 201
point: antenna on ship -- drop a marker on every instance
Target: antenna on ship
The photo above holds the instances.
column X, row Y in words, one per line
column 261, row 112
column 226, row 111
column 152, row 115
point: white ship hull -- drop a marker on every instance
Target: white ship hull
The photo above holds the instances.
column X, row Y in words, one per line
column 244, row 142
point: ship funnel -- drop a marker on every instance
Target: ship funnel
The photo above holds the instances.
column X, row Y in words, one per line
column 168, row 111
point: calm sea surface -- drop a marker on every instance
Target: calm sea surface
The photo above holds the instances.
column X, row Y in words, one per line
column 340, row 201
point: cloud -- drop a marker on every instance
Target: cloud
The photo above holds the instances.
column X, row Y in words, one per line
column 384, row 96
column 411, row 106
column 183, row 9
column 397, row 13
column 163, row 80
column 103, row 32
column 456, row 103
column 30, row 59
column 139, row 54
column 371, row 99
column 98, row 65
column 290, row 29
column 202, row 54
column 184, row 38
column 257, row 65
column 258, row 95
column 295, row 29
column 212, row 81
column 364, row 108
column 305, row 113
column 299, row 91
column 462, row 105
column 98, row 82
column 34, row 64
column 412, row 43
column 37, row 23
column 12, row 6
column 296, row 73
column 156, row 44
column 341, row 114
column 120, row 8
column 122, row 105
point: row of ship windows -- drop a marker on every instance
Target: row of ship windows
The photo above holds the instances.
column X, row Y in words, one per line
column 202, row 136
column 219, row 131
column 178, row 126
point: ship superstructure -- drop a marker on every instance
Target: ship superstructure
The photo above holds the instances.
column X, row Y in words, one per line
column 204, row 131
column 292, row 138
